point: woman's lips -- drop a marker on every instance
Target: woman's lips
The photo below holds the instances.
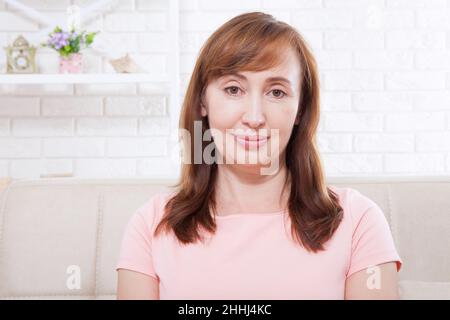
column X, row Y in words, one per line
column 251, row 142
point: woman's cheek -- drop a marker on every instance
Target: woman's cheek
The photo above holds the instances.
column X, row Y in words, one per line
column 223, row 118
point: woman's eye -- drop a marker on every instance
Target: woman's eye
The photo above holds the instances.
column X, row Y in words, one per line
column 234, row 90
column 278, row 93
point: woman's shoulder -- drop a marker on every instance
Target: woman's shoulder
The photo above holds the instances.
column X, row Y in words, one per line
column 152, row 210
column 351, row 195
column 357, row 205
column 343, row 193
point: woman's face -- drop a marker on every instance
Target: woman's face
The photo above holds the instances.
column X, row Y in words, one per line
column 252, row 114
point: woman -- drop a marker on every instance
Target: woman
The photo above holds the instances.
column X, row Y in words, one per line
column 264, row 229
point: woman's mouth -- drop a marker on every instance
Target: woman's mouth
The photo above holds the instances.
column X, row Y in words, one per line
column 251, row 142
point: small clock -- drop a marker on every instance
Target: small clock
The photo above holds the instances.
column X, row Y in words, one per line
column 21, row 62
column 21, row 57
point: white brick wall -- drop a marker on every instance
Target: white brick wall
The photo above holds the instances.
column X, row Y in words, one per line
column 384, row 68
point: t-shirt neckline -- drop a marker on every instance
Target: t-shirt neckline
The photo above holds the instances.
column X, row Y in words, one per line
column 258, row 214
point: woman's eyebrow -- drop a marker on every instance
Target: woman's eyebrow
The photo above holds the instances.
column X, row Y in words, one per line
column 282, row 79
column 270, row 79
column 234, row 74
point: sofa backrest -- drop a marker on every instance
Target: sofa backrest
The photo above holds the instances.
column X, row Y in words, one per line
column 51, row 229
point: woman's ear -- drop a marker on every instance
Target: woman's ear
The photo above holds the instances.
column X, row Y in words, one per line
column 203, row 110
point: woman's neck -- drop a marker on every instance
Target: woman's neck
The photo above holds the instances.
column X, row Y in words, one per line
column 247, row 191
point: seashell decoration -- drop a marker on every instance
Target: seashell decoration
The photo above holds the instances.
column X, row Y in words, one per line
column 125, row 65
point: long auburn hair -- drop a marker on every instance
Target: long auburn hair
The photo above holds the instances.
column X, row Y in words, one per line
column 255, row 41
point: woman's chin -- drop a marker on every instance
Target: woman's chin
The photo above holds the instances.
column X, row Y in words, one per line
column 251, row 159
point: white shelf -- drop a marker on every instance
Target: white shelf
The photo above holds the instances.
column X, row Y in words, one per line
column 51, row 78
column 168, row 84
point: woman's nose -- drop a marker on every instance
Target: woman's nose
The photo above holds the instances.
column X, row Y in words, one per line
column 254, row 116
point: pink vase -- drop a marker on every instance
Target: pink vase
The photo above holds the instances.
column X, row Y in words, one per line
column 71, row 64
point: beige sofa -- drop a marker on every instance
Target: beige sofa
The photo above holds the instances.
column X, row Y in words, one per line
column 57, row 231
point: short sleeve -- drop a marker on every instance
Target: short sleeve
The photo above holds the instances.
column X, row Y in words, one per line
column 372, row 241
column 136, row 248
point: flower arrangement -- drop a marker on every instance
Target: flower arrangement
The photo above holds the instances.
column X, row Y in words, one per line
column 67, row 43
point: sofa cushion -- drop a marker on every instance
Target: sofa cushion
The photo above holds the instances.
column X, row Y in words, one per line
column 425, row 290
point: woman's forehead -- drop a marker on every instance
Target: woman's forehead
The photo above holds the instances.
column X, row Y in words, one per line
column 286, row 63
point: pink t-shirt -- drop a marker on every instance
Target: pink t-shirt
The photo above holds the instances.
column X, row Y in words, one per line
column 253, row 256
